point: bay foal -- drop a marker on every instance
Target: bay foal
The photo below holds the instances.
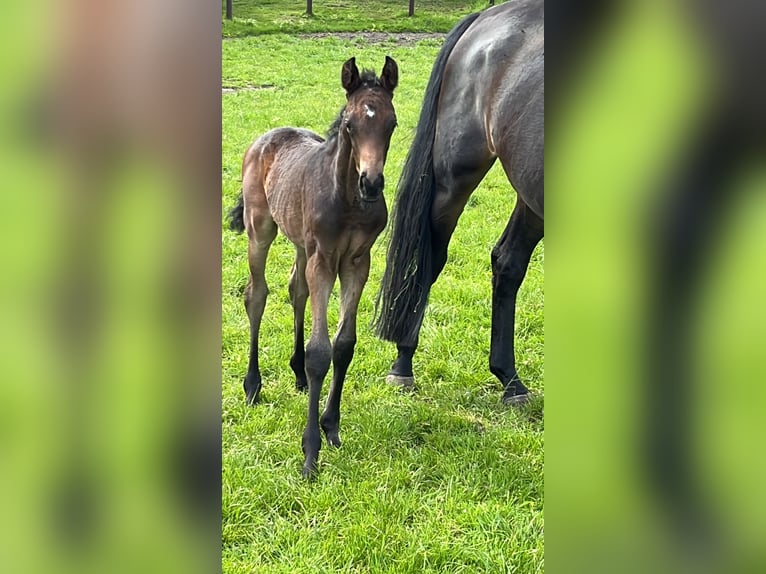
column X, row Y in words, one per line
column 326, row 197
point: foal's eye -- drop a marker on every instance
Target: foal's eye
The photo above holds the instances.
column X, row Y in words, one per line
column 349, row 127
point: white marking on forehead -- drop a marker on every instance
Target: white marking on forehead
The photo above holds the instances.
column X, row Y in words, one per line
column 369, row 111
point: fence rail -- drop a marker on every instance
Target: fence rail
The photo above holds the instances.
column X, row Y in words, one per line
column 310, row 8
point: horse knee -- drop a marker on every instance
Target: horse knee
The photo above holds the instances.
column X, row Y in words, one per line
column 318, row 357
column 260, row 227
column 248, row 298
column 296, row 290
column 255, row 297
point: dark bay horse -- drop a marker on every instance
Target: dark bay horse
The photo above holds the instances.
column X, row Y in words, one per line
column 326, row 197
column 484, row 101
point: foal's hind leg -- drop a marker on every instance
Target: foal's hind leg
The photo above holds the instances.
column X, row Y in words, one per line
column 353, row 276
column 299, row 292
column 261, row 231
column 510, row 259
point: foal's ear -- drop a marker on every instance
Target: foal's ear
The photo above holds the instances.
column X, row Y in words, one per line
column 390, row 76
column 349, row 76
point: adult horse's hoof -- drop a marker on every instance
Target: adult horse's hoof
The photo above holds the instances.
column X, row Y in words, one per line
column 404, row 383
column 516, row 400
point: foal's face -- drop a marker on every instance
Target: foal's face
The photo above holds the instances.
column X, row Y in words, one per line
column 368, row 122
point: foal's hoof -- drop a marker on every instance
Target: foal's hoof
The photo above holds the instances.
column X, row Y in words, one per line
column 309, row 474
column 516, row 400
column 301, row 386
column 404, row 383
column 252, row 392
column 330, row 427
column 310, row 471
column 253, row 399
column 333, row 438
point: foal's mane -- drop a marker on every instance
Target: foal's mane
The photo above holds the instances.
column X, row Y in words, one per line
column 334, row 129
column 367, row 79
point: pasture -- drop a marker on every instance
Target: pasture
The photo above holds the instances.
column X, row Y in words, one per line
column 275, row 16
column 443, row 480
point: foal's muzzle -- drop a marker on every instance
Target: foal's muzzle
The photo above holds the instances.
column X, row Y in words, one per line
column 371, row 190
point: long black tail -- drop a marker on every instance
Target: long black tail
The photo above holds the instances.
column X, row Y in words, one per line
column 406, row 282
column 236, row 215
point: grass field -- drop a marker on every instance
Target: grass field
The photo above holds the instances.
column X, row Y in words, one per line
column 275, row 16
column 445, row 480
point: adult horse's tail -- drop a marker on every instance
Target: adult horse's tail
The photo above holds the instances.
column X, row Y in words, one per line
column 236, row 215
column 406, row 282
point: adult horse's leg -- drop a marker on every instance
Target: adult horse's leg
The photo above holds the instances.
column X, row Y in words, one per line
column 352, row 280
column 320, row 277
column 456, row 179
column 510, row 259
column 261, row 233
column 299, row 292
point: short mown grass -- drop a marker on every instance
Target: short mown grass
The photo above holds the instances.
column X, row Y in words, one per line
column 443, row 480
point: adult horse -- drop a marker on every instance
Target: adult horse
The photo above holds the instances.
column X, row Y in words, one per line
column 484, row 101
column 327, row 198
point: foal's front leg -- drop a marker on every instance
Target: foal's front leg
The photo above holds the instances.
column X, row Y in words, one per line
column 353, row 276
column 320, row 277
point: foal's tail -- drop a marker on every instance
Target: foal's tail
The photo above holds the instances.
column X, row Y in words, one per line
column 406, row 282
column 236, row 215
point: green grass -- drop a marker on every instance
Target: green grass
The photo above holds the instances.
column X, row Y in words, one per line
column 280, row 16
column 445, row 480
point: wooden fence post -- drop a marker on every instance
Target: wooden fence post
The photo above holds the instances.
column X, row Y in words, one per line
column 412, row 8
column 228, row 9
column 309, row 7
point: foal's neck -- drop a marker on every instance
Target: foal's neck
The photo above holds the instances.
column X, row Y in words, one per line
column 346, row 174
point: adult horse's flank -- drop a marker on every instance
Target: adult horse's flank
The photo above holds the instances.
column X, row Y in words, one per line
column 326, row 197
column 484, row 101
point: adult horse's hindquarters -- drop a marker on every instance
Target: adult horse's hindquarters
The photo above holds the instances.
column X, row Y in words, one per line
column 484, row 101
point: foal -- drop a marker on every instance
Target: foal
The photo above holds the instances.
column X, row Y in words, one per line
column 326, row 197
